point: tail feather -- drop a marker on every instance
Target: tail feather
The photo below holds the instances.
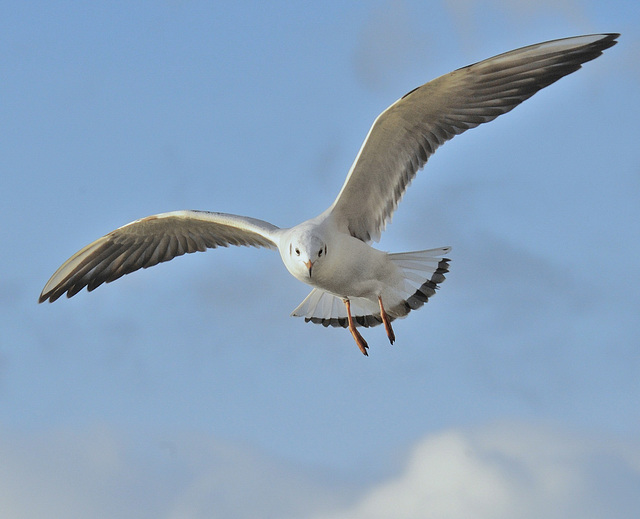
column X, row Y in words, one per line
column 431, row 264
column 422, row 272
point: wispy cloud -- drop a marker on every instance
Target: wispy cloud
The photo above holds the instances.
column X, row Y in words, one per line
column 388, row 45
column 470, row 16
column 100, row 473
column 507, row 470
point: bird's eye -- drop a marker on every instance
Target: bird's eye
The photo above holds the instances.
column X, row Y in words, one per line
column 297, row 251
column 320, row 253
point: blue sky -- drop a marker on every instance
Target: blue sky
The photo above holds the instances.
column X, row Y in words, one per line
column 187, row 390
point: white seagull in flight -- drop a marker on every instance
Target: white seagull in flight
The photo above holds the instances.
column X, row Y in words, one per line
column 353, row 283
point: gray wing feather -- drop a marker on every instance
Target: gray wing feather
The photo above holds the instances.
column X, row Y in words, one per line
column 152, row 240
column 407, row 133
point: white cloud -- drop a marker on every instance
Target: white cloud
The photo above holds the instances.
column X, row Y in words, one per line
column 508, row 471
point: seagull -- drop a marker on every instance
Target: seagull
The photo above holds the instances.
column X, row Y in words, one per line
column 354, row 284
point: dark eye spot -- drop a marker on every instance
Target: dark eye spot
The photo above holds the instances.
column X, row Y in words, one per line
column 320, row 253
column 297, row 251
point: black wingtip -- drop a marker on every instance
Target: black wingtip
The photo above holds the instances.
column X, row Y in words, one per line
column 609, row 40
column 49, row 296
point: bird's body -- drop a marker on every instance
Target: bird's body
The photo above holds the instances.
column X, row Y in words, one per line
column 358, row 269
column 353, row 283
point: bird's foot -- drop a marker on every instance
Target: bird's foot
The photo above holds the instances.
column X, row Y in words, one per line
column 362, row 344
column 386, row 321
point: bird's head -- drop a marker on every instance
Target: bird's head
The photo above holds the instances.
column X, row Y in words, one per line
column 305, row 251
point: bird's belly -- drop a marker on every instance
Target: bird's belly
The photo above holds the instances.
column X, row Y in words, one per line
column 365, row 276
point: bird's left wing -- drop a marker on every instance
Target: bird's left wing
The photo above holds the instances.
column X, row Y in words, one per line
column 152, row 240
column 407, row 133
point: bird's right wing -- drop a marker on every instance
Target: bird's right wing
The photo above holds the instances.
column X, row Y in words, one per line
column 152, row 240
column 407, row 133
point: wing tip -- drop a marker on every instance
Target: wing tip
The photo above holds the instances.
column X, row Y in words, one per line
column 53, row 295
column 48, row 294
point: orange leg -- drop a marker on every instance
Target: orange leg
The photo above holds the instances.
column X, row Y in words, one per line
column 387, row 322
column 362, row 344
